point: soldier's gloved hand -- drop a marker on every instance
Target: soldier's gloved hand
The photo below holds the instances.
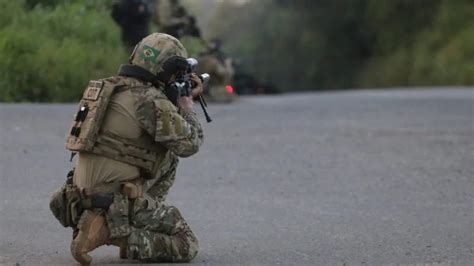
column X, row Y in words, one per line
column 186, row 102
column 198, row 89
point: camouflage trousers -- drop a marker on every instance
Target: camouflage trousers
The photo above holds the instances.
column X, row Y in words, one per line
column 159, row 190
column 156, row 232
column 161, row 235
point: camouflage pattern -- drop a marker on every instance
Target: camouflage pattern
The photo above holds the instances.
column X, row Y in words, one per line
column 159, row 189
column 161, row 235
column 154, row 231
column 180, row 132
column 154, row 50
column 117, row 216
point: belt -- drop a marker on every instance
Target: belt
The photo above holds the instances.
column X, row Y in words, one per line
column 103, row 196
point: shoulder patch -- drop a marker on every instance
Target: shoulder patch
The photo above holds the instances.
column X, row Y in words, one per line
column 164, row 105
column 93, row 90
column 149, row 54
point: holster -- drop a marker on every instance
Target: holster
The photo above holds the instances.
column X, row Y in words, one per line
column 120, row 211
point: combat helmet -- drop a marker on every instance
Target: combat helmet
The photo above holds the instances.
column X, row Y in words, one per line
column 157, row 51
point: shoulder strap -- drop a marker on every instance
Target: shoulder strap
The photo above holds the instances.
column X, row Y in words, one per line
column 139, row 73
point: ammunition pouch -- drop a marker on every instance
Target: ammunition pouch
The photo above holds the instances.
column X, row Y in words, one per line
column 142, row 153
column 66, row 205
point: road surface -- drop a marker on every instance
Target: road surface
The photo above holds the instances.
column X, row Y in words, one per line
column 356, row 177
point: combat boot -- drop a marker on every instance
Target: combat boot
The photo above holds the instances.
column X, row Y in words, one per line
column 93, row 233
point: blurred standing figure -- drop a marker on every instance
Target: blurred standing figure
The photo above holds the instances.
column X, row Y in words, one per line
column 173, row 19
column 214, row 49
column 220, row 66
column 133, row 17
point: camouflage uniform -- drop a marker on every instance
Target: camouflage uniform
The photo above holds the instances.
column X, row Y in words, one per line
column 161, row 235
column 140, row 112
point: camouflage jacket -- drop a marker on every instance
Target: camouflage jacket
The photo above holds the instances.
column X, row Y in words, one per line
column 142, row 114
column 177, row 130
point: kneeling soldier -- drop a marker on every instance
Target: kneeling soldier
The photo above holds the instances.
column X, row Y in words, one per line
column 128, row 132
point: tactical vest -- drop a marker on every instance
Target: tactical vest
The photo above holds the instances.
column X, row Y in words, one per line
column 86, row 136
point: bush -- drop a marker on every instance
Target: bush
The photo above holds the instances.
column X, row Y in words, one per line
column 440, row 54
column 50, row 52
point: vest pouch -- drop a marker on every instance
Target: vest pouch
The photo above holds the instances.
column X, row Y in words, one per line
column 90, row 114
column 66, row 205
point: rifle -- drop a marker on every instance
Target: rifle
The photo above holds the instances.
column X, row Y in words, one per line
column 184, row 84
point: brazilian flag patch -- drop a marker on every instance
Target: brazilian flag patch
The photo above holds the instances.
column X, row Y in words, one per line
column 149, row 54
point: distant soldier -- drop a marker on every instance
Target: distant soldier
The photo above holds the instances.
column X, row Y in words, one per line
column 133, row 17
column 220, row 67
column 173, row 19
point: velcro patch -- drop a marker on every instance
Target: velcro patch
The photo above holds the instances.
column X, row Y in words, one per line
column 93, row 90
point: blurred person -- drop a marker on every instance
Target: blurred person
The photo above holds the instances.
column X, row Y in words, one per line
column 191, row 28
column 214, row 48
column 133, row 17
column 128, row 158
column 220, row 66
column 173, row 19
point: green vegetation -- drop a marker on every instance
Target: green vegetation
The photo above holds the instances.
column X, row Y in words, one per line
column 307, row 44
column 50, row 49
column 439, row 53
column 194, row 46
column 48, row 52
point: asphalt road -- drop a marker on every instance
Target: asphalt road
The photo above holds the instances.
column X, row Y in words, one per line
column 358, row 177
